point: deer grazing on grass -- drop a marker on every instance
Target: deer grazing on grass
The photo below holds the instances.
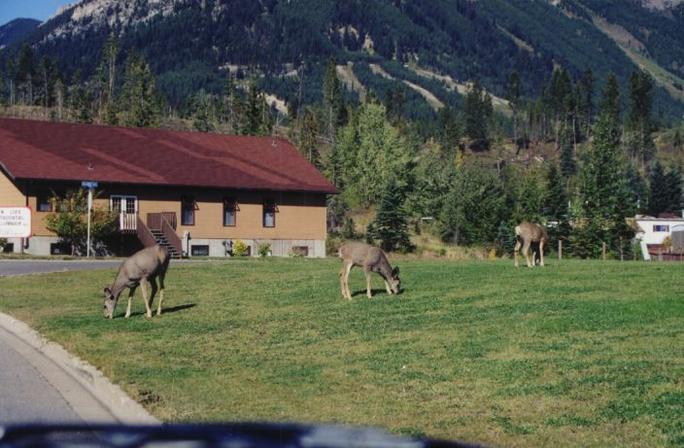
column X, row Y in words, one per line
column 526, row 234
column 143, row 266
column 371, row 259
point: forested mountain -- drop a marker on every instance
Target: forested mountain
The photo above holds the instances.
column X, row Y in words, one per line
column 16, row 30
column 190, row 43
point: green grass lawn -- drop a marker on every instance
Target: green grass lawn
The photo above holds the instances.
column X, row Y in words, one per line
column 578, row 353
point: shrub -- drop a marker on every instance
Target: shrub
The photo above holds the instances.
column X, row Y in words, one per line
column 240, row 249
column 3, row 243
column 264, row 250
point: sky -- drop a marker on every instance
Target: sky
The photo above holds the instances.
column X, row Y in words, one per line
column 34, row 9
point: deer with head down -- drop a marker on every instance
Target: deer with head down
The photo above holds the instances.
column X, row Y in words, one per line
column 526, row 234
column 371, row 259
column 144, row 266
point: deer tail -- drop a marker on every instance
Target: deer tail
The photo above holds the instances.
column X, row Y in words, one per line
column 518, row 231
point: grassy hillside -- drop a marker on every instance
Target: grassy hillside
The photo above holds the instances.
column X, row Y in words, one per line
column 575, row 354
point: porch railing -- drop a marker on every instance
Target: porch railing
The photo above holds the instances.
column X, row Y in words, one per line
column 128, row 222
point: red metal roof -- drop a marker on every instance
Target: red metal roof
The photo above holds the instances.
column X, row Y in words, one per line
column 42, row 150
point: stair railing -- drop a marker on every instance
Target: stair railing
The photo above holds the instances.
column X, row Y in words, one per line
column 170, row 234
column 145, row 234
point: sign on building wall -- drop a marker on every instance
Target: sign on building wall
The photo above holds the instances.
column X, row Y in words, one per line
column 15, row 222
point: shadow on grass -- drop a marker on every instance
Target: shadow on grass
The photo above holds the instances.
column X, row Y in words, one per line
column 362, row 292
column 173, row 309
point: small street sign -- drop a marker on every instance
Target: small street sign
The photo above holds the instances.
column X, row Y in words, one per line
column 89, row 184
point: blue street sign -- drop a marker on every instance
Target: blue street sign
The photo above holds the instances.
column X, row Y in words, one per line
column 89, row 185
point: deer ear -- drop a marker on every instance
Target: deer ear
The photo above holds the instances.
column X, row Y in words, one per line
column 107, row 291
column 395, row 271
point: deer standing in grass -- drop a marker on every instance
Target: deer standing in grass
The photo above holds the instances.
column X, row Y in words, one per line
column 371, row 259
column 526, row 234
column 141, row 267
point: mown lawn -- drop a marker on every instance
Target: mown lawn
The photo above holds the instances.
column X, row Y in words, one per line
column 578, row 353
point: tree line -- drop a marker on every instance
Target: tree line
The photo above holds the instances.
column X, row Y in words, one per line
column 460, row 180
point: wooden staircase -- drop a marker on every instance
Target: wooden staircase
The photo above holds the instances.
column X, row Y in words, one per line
column 160, row 229
column 162, row 241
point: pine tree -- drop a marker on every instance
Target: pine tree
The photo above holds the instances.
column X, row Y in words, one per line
column 107, row 80
column 556, row 205
column 202, row 119
column 308, row 138
column 333, row 103
column 568, row 164
column 26, row 73
column 477, row 110
column 677, row 140
column 586, row 101
column 390, row 225
column 639, row 122
column 603, row 190
column 658, row 197
column 638, row 193
column 673, row 180
column 140, row 102
column 513, row 93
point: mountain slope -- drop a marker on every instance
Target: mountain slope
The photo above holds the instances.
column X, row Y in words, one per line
column 16, row 30
column 188, row 42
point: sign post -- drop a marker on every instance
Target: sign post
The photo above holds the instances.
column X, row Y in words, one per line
column 90, row 186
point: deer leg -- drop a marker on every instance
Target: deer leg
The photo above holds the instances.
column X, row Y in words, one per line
column 387, row 287
column 131, row 293
column 369, row 291
column 541, row 253
column 343, row 289
column 526, row 249
column 155, row 288
column 515, row 251
column 161, row 294
column 346, row 280
column 143, row 288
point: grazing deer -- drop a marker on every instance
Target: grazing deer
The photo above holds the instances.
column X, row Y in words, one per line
column 371, row 259
column 526, row 234
column 145, row 265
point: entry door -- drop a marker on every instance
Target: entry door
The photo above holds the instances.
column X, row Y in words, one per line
column 127, row 208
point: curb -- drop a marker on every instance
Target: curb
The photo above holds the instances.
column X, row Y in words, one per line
column 103, row 402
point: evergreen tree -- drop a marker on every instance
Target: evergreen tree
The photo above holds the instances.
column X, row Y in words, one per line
column 308, row 138
column 390, row 224
column 449, row 131
column 673, row 179
column 202, row 116
column 140, row 102
column 639, row 122
column 333, row 103
column 677, row 140
column 477, row 110
column 658, row 197
column 106, row 74
column 568, row 165
column 638, row 193
column 586, row 101
column 513, row 93
column 473, row 207
column 26, row 73
column 603, row 190
column 556, row 206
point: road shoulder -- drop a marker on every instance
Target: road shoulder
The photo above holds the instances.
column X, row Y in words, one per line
column 90, row 394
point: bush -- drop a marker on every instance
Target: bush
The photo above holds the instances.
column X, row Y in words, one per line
column 264, row 250
column 332, row 245
column 3, row 243
column 240, row 249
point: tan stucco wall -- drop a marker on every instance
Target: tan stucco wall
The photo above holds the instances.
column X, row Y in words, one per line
column 299, row 216
column 10, row 195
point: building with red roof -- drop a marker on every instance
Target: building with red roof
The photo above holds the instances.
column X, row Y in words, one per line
column 195, row 192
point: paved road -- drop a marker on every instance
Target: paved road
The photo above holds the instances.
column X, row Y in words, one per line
column 22, row 267
column 33, row 389
column 26, row 395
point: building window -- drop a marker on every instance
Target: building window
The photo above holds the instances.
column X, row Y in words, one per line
column 230, row 209
column 188, row 207
column 270, row 210
column 300, row 251
column 661, row 228
column 8, row 248
column 199, row 250
column 44, row 203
